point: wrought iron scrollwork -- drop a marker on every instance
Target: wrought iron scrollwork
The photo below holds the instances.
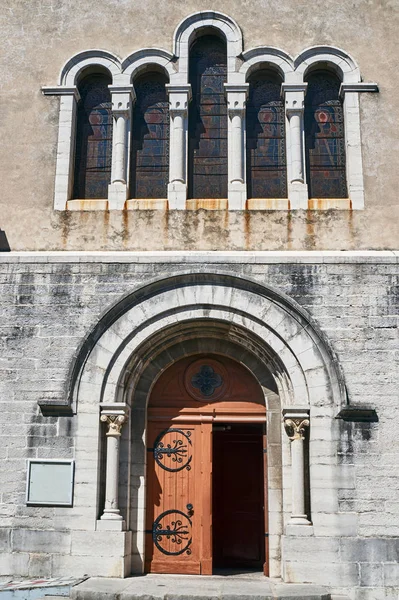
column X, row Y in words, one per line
column 176, row 529
column 177, row 450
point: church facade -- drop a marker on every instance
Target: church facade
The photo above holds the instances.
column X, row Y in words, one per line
column 199, row 309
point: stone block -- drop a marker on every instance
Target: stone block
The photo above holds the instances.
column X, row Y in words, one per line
column 391, row 575
column 364, row 550
column 5, row 535
column 322, row 573
column 340, row 524
column 14, row 564
column 39, row 565
column 293, row 549
column 371, row 575
column 31, row 540
column 101, row 543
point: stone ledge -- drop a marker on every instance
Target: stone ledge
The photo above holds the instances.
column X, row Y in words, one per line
column 205, row 256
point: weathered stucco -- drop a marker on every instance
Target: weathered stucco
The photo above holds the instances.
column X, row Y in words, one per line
column 40, row 36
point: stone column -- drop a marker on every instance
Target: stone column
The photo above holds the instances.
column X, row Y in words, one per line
column 295, row 423
column 237, row 188
column 179, row 98
column 114, row 415
column 122, row 101
column 294, row 95
column 66, row 143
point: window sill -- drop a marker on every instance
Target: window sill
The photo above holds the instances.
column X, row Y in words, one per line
column 82, row 205
column 253, row 204
column 329, row 203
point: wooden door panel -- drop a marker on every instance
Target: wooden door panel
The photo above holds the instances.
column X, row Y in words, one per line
column 173, row 542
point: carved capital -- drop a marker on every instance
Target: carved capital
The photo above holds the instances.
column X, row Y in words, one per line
column 114, row 422
column 179, row 98
column 294, row 97
column 295, row 428
column 296, row 420
column 236, row 96
column 114, row 415
column 123, row 98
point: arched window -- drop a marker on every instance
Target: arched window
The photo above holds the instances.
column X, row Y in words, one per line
column 149, row 172
column 207, row 149
column 265, row 123
column 325, row 137
column 94, row 138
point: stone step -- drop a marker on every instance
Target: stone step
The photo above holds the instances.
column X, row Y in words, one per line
column 188, row 587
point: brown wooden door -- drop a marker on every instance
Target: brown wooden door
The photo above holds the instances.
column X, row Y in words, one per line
column 238, row 497
column 187, row 400
column 173, row 523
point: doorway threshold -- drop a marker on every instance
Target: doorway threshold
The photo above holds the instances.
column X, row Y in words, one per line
column 245, row 586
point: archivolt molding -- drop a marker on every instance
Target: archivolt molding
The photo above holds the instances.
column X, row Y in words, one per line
column 89, row 58
column 266, row 56
column 304, row 366
column 340, row 61
column 144, row 60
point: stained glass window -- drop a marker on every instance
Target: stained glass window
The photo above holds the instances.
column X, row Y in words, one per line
column 265, row 123
column 149, row 174
column 94, row 138
column 324, row 137
column 208, row 119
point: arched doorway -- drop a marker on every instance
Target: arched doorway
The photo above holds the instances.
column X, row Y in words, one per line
column 206, row 502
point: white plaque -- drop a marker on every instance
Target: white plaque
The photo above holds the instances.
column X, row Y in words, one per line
column 50, row 482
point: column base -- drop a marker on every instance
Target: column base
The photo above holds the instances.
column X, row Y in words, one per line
column 177, row 195
column 299, row 520
column 117, row 196
column 237, row 196
column 298, row 195
column 111, row 525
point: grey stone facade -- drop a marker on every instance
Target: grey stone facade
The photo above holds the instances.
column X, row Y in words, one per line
column 51, row 302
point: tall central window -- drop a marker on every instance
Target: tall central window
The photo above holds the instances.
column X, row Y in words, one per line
column 208, row 119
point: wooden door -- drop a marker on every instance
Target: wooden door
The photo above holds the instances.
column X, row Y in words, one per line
column 190, row 397
column 238, row 497
column 175, row 496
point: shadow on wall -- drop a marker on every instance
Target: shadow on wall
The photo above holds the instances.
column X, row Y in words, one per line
column 4, row 245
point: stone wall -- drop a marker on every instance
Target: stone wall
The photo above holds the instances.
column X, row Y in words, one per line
column 48, row 34
column 50, row 302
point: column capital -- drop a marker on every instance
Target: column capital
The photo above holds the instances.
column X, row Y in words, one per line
column 179, row 97
column 114, row 415
column 296, row 420
column 294, row 96
column 236, row 95
column 123, row 98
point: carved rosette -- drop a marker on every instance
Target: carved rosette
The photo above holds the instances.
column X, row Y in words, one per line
column 115, row 423
column 295, row 427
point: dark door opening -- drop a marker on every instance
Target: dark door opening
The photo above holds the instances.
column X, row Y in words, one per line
column 238, row 497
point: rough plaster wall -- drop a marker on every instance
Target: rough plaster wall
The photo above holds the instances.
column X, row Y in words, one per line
column 39, row 36
column 46, row 310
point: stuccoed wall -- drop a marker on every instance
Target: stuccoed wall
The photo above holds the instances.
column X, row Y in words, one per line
column 49, row 303
column 40, row 36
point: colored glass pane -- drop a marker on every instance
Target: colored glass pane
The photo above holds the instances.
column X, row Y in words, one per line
column 325, row 137
column 150, row 138
column 208, row 119
column 265, row 123
column 94, row 138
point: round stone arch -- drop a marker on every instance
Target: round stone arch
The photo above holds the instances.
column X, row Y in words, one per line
column 150, row 328
column 87, row 59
